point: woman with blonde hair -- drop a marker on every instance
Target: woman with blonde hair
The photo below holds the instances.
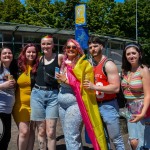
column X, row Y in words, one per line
column 44, row 103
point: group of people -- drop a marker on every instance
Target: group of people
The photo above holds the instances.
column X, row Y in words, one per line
column 36, row 99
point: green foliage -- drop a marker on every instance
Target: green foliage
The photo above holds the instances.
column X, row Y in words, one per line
column 103, row 17
column 68, row 14
column 11, row 11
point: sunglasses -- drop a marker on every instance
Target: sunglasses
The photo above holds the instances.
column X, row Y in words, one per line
column 71, row 47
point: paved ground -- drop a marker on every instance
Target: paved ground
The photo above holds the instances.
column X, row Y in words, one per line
column 60, row 138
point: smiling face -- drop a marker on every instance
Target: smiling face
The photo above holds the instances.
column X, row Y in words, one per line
column 132, row 55
column 6, row 56
column 47, row 45
column 71, row 50
column 30, row 54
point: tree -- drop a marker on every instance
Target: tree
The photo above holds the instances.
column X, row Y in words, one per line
column 97, row 16
column 104, row 17
column 68, row 15
column 12, row 11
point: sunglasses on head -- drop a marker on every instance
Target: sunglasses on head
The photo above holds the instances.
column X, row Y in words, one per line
column 71, row 47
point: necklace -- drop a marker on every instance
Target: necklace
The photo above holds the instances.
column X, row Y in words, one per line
column 68, row 61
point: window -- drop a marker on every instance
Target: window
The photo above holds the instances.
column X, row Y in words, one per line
column 0, row 37
column 18, row 38
column 30, row 39
column 7, row 37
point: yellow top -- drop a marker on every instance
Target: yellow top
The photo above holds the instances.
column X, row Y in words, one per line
column 21, row 110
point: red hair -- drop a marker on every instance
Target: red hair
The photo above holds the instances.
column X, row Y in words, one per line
column 47, row 36
column 22, row 61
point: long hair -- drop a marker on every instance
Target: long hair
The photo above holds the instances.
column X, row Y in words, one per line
column 1, row 64
column 126, row 66
column 79, row 49
column 22, row 61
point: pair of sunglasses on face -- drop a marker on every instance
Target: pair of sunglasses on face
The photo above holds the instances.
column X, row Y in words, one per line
column 71, row 47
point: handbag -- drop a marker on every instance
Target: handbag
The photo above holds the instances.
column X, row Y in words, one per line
column 48, row 78
column 135, row 107
column 124, row 112
column 130, row 108
column 120, row 96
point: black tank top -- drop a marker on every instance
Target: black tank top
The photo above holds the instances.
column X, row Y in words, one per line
column 50, row 69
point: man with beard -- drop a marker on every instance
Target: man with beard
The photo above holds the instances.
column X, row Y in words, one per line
column 107, row 84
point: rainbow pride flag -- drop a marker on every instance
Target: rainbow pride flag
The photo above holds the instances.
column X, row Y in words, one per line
column 87, row 102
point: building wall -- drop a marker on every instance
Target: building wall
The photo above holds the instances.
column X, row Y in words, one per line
column 16, row 40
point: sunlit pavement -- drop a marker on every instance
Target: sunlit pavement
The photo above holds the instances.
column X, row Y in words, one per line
column 60, row 138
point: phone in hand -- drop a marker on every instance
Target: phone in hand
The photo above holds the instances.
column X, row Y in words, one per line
column 57, row 70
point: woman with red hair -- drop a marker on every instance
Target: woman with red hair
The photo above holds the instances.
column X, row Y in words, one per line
column 27, row 67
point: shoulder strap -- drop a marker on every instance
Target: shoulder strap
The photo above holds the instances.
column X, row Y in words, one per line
column 105, row 61
column 41, row 59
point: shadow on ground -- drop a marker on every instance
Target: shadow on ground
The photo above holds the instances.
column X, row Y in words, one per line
column 63, row 147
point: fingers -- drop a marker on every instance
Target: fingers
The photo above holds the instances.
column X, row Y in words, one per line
column 135, row 118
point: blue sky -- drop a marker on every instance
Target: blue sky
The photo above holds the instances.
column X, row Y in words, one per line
column 63, row 0
column 119, row 0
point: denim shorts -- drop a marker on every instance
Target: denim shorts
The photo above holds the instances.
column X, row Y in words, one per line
column 141, row 132
column 44, row 104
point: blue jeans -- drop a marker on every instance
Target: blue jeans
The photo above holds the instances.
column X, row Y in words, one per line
column 109, row 112
column 141, row 132
column 70, row 117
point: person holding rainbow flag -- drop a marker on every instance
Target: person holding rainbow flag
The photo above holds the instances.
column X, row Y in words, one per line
column 77, row 103
column 106, row 85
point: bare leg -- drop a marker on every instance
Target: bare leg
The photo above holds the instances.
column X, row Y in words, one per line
column 134, row 143
column 31, row 136
column 23, row 135
column 41, row 128
column 51, row 133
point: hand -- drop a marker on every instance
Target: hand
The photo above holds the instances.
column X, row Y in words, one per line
column 136, row 118
column 8, row 84
column 88, row 85
column 61, row 77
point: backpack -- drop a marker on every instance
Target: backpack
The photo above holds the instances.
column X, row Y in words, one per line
column 120, row 96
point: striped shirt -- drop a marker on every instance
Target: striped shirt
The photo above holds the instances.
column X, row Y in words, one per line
column 132, row 85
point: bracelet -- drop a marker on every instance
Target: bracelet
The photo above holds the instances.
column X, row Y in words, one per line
column 65, row 80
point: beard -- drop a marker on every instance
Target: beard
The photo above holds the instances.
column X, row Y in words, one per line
column 97, row 54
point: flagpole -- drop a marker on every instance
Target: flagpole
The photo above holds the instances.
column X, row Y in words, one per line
column 136, row 23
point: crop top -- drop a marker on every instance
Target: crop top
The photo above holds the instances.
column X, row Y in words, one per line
column 133, row 87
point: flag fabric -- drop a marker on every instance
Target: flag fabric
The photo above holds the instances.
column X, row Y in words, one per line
column 87, row 102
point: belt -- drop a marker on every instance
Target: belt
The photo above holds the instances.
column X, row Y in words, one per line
column 147, row 123
column 46, row 88
column 105, row 101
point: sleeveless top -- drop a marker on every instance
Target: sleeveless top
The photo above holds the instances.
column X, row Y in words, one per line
column 102, row 80
column 50, row 69
column 133, row 87
column 23, row 90
column 21, row 109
